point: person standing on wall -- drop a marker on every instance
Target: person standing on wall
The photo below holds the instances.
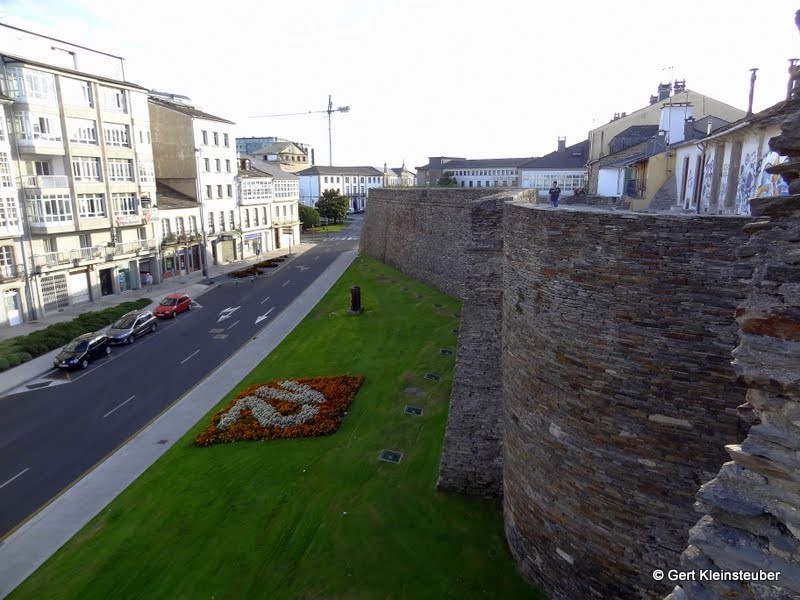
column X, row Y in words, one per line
column 555, row 192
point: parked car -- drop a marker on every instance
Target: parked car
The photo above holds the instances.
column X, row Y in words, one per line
column 131, row 325
column 82, row 350
column 172, row 305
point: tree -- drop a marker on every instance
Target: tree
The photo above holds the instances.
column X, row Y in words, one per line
column 309, row 217
column 332, row 205
column 447, row 180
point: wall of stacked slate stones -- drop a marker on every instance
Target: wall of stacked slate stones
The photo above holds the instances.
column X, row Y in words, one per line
column 751, row 510
column 618, row 391
column 451, row 239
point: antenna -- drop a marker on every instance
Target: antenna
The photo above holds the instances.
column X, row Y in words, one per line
column 329, row 111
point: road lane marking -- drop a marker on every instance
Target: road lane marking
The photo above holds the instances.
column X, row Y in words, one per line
column 264, row 300
column 264, row 316
column 285, row 283
column 120, row 406
column 14, row 477
column 225, row 313
column 190, row 356
column 316, row 257
column 234, row 325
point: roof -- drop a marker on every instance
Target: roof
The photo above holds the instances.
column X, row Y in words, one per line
column 4, row 98
column 572, row 157
column 633, row 154
column 188, row 110
column 485, row 163
column 317, row 170
column 268, row 169
column 11, row 58
column 400, row 170
column 168, row 198
column 277, row 148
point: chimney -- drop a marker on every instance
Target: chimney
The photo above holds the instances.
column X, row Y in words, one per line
column 562, row 144
column 653, row 99
column 688, row 129
column 708, row 127
column 663, row 90
column 679, row 87
column 752, row 91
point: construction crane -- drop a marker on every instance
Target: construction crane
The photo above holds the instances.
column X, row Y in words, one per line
column 329, row 111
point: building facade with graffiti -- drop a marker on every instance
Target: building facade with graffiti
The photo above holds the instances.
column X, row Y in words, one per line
column 720, row 173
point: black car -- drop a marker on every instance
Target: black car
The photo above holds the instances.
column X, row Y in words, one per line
column 130, row 326
column 83, row 349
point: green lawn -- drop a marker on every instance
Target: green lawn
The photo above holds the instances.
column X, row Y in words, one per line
column 314, row 518
column 325, row 229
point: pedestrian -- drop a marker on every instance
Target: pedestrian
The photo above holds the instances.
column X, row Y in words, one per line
column 555, row 192
column 148, row 281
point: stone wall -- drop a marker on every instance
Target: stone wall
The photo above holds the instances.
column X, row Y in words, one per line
column 751, row 510
column 451, row 239
column 619, row 395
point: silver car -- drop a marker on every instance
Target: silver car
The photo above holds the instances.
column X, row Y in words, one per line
column 131, row 325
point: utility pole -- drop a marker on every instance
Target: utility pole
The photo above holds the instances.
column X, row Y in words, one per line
column 329, row 111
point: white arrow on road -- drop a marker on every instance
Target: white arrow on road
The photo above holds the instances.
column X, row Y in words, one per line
column 226, row 313
column 302, row 268
column 264, row 316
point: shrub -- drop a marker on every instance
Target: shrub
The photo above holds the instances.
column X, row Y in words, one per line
column 4, row 364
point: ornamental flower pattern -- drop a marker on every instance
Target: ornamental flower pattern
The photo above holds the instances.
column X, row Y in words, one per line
column 301, row 407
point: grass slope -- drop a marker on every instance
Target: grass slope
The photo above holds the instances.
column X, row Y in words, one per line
column 309, row 518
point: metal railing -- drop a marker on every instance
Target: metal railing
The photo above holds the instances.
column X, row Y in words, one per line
column 9, row 272
column 76, row 256
column 45, row 181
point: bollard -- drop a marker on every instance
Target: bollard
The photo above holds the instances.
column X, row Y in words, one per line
column 355, row 300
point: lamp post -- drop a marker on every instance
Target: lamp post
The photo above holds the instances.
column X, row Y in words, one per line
column 203, row 255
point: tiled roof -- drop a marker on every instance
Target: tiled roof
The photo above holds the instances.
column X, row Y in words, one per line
column 632, row 155
column 276, row 148
column 169, row 198
column 10, row 58
column 317, row 170
column 268, row 168
column 188, row 110
column 572, row 157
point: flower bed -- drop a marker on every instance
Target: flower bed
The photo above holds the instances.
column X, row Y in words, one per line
column 304, row 407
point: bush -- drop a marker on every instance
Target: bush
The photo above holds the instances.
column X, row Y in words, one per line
column 4, row 364
column 309, row 217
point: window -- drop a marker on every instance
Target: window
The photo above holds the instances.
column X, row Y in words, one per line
column 231, row 219
column 192, row 225
column 210, row 222
column 85, row 240
column 284, row 210
column 225, row 141
column 28, row 84
column 91, row 205
column 9, row 214
column 347, row 180
column 112, row 99
column 125, row 204
column 326, row 180
column 216, row 139
column 82, row 131
column 277, row 211
column 255, row 217
column 76, row 93
column 49, row 208
column 116, row 134
column 208, row 191
column 141, row 233
column 147, row 173
column 180, row 229
column 5, row 170
column 49, row 244
column 207, row 164
column 221, row 220
column 247, row 217
column 41, row 167
column 120, row 169
column 337, row 180
column 205, row 138
column 85, row 168
column 7, row 268
column 219, row 191
column 266, row 214
column 218, row 164
column 227, row 161
column 229, row 190
column 166, row 230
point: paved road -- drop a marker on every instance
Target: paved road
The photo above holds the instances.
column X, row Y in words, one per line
column 50, row 437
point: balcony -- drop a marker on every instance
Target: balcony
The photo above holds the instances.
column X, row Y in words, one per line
column 181, row 238
column 44, row 181
column 136, row 247
column 10, row 273
column 285, row 220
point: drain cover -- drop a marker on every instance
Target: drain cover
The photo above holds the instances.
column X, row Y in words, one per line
column 162, row 441
column 432, row 376
column 455, row 331
column 445, row 352
column 413, row 410
column 437, row 306
column 390, row 456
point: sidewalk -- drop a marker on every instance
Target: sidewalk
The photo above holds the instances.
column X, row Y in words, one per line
column 36, row 540
column 191, row 284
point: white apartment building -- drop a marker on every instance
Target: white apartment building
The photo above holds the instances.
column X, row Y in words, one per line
column 353, row 182
column 81, row 152
column 195, row 154
column 268, row 198
column 12, row 257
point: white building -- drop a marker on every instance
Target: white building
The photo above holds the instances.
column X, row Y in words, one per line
column 194, row 154
column 80, row 145
column 398, row 177
column 353, row 182
column 567, row 166
column 268, row 198
column 480, row 172
column 12, row 257
column 179, row 221
column 288, row 155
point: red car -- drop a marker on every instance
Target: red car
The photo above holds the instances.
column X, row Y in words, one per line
column 172, row 305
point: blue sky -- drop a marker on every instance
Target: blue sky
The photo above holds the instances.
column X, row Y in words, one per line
column 454, row 77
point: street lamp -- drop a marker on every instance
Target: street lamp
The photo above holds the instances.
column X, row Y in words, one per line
column 203, row 255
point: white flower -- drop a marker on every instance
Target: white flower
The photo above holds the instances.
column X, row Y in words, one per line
column 267, row 415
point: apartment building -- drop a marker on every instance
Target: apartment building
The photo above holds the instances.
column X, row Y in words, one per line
column 12, row 257
column 195, row 154
column 81, row 158
column 353, row 182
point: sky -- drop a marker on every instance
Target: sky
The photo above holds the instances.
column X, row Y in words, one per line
column 467, row 78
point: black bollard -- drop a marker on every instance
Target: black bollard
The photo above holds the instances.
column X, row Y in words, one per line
column 355, row 300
